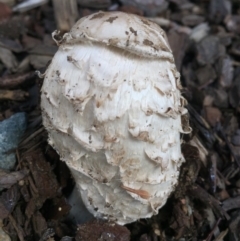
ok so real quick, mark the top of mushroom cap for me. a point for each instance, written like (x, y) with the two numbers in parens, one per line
(126, 31)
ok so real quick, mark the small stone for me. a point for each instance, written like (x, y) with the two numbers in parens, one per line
(11, 131)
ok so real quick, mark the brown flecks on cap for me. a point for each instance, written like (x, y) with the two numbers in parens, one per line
(143, 135)
(133, 31)
(147, 42)
(58, 73)
(69, 58)
(126, 32)
(98, 15)
(111, 19)
(185, 123)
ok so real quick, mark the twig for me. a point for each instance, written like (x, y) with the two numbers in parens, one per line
(199, 193)
(18, 229)
(209, 237)
(29, 138)
(13, 81)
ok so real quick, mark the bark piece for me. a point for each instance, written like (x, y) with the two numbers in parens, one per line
(231, 203)
(13, 28)
(39, 223)
(179, 43)
(8, 59)
(8, 179)
(43, 177)
(99, 230)
(199, 193)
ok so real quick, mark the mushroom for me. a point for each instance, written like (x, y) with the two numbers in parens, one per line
(113, 109)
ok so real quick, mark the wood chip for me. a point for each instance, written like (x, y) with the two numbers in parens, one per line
(101, 230)
(66, 14)
(231, 203)
(8, 59)
(18, 95)
(212, 115)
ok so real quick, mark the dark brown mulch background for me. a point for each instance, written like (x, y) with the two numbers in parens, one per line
(204, 36)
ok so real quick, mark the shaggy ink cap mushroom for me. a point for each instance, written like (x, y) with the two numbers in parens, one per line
(113, 109)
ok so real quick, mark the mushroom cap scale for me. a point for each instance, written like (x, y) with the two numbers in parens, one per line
(114, 114)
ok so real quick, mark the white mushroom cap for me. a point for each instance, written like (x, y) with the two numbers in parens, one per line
(112, 106)
(133, 33)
